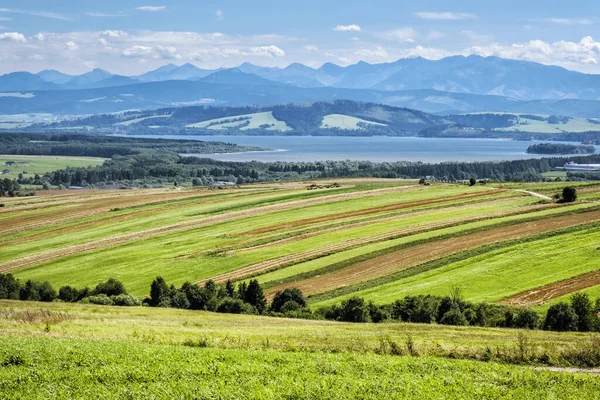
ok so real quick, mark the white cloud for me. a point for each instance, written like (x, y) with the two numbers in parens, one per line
(137, 50)
(219, 14)
(114, 33)
(267, 51)
(14, 36)
(399, 35)
(71, 46)
(372, 52)
(311, 48)
(574, 55)
(104, 14)
(347, 28)
(44, 14)
(568, 21)
(451, 16)
(40, 36)
(151, 8)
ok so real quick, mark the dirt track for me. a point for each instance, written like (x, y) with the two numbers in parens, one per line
(541, 295)
(410, 257)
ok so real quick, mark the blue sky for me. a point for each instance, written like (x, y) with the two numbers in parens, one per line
(131, 37)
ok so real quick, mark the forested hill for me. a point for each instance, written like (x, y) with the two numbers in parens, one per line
(342, 117)
(337, 118)
(106, 146)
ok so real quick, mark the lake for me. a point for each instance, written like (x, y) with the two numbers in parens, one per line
(377, 148)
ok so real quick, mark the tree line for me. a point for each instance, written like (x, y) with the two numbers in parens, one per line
(579, 314)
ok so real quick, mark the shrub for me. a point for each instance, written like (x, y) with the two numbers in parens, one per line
(36, 291)
(561, 317)
(289, 306)
(126, 300)
(354, 310)
(10, 287)
(582, 305)
(70, 294)
(180, 300)
(569, 194)
(377, 313)
(196, 296)
(254, 296)
(100, 299)
(527, 319)
(289, 294)
(158, 291)
(454, 317)
(235, 306)
(422, 309)
(111, 287)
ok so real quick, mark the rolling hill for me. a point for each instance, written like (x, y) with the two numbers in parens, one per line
(341, 117)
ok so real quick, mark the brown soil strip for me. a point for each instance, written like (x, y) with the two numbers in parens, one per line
(392, 207)
(297, 258)
(179, 227)
(416, 255)
(541, 295)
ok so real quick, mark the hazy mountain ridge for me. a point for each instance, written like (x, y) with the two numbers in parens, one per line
(522, 80)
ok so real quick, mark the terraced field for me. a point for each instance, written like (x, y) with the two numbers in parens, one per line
(380, 239)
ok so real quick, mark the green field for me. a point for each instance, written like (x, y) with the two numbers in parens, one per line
(345, 122)
(42, 164)
(363, 236)
(78, 351)
(245, 122)
(379, 239)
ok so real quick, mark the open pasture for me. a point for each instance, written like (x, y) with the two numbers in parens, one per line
(31, 165)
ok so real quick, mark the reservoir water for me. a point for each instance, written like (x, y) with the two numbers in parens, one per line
(377, 148)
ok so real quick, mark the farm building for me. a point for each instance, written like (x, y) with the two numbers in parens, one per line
(5, 171)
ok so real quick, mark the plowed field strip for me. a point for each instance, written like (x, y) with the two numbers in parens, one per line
(543, 294)
(409, 257)
(367, 211)
(179, 227)
(296, 258)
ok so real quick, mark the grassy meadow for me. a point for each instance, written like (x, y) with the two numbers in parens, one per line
(42, 164)
(78, 351)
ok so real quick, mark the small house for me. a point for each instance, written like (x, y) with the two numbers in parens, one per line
(5, 171)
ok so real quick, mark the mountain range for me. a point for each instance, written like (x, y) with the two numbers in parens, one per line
(521, 80)
(448, 86)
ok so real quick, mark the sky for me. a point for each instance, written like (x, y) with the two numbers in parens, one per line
(130, 37)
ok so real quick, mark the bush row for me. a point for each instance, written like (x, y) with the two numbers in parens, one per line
(580, 314)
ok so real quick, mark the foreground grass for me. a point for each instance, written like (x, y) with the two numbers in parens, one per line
(223, 331)
(41, 368)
